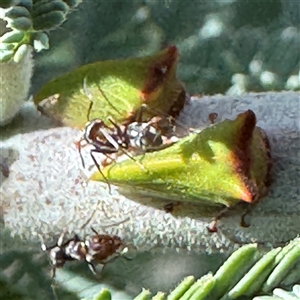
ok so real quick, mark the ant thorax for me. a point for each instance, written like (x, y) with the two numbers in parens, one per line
(143, 136)
(76, 249)
(96, 132)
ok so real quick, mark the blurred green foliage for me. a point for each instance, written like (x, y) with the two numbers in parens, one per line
(232, 46)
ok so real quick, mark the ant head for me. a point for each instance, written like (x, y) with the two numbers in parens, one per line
(56, 253)
(57, 256)
(93, 131)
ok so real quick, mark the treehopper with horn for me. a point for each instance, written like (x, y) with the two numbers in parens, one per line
(221, 166)
(118, 89)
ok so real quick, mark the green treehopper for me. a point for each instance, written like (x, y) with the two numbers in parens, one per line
(116, 88)
(222, 165)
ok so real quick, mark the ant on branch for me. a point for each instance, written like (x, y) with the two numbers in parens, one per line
(98, 248)
(135, 136)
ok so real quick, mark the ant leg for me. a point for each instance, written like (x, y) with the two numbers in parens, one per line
(53, 272)
(120, 133)
(43, 245)
(61, 238)
(53, 286)
(45, 249)
(212, 227)
(80, 154)
(123, 255)
(133, 159)
(99, 169)
(89, 110)
(109, 102)
(58, 243)
(118, 147)
(108, 157)
(92, 267)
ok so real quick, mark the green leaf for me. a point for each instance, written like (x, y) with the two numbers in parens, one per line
(159, 296)
(103, 295)
(200, 289)
(234, 269)
(257, 275)
(183, 286)
(144, 295)
(287, 263)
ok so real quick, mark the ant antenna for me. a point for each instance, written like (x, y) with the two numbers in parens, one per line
(94, 230)
(108, 101)
(91, 216)
(145, 107)
(89, 95)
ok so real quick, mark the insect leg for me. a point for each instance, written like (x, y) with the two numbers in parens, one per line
(143, 108)
(89, 110)
(53, 275)
(110, 140)
(92, 267)
(45, 249)
(119, 131)
(212, 227)
(133, 159)
(80, 154)
(58, 243)
(98, 167)
(109, 102)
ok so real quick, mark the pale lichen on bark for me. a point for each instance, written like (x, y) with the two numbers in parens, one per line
(45, 190)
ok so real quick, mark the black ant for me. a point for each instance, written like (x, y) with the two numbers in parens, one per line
(142, 136)
(136, 135)
(106, 140)
(98, 248)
